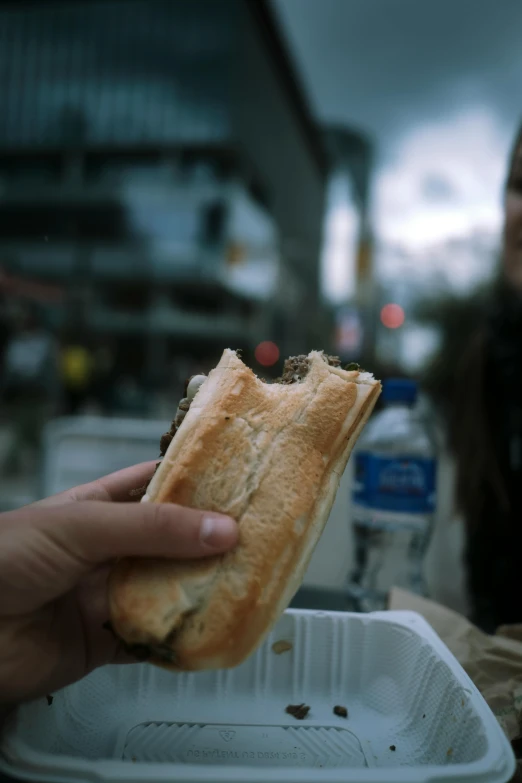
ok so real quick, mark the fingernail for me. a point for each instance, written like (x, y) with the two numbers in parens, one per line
(218, 532)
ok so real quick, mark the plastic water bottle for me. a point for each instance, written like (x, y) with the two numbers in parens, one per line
(393, 500)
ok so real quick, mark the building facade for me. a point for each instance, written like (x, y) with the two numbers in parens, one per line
(159, 164)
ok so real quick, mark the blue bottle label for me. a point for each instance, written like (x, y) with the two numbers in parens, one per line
(398, 484)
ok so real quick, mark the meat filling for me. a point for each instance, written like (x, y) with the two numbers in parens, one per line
(296, 368)
(143, 652)
(191, 387)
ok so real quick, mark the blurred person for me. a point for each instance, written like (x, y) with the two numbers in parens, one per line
(77, 367)
(55, 557)
(29, 388)
(477, 380)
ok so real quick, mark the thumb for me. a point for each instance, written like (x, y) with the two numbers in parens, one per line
(47, 550)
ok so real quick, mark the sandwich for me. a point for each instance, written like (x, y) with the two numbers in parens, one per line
(271, 456)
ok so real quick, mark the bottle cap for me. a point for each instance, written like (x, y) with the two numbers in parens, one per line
(399, 390)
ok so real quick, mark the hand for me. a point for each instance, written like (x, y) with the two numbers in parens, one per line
(55, 558)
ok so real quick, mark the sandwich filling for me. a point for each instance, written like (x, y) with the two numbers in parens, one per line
(296, 368)
(191, 387)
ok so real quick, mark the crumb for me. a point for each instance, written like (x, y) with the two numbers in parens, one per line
(134, 759)
(165, 441)
(392, 747)
(281, 647)
(424, 715)
(449, 752)
(341, 712)
(299, 711)
(50, 700)
(462, 702)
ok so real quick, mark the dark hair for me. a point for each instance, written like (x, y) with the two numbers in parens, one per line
(512, 158)
(459, 380)
(470, 432)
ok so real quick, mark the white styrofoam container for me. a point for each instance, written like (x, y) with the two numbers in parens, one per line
(80, 449)
(414, 715)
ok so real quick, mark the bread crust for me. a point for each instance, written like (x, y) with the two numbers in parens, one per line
(269, 455)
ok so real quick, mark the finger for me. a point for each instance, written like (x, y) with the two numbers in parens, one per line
(97, 532)
(119, 485)
(53, 547)
(115, 487)
(104, 646)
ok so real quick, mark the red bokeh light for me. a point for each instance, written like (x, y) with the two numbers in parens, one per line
(392, 316)
(267, 353)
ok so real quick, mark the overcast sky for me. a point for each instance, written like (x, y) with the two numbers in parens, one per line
(387, 65)
(438, 85)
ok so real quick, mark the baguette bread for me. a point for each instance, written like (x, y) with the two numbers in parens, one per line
(269, 455)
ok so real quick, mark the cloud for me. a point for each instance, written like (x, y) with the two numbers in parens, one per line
(437, 189)
(437, 208)
(445, 181)
(388, 65)
(441, 105)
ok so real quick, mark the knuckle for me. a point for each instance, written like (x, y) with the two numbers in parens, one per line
(157, 520)
(160, 520)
